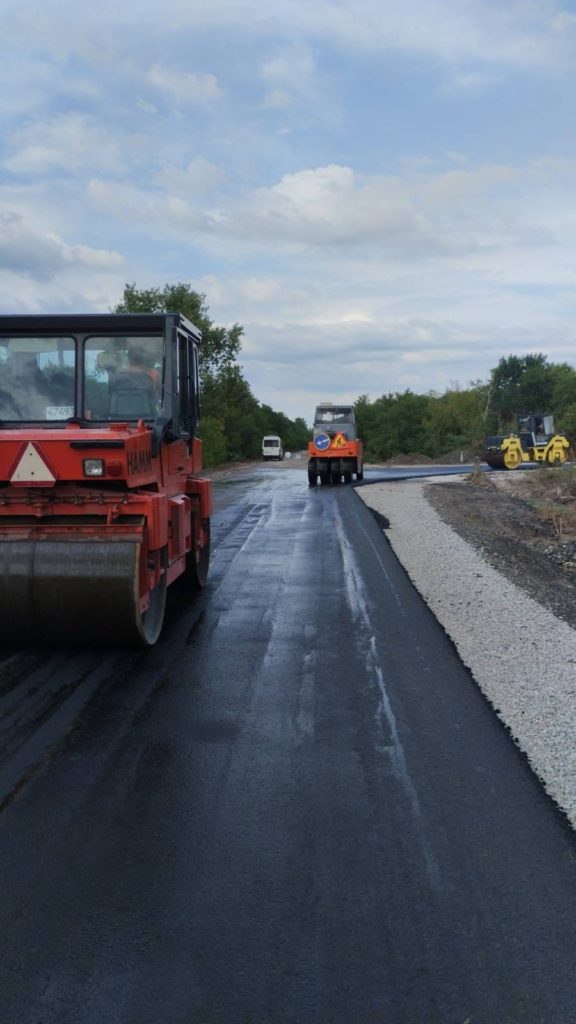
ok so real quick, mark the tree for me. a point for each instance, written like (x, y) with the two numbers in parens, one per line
(455, 418)
(394, 423)
(213, 441)
(564, 393)
(521, 384)
(220, 345)
(233, 421)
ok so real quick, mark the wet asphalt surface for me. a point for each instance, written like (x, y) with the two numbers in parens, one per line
(296, 809)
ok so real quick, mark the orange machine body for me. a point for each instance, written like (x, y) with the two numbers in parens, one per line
(333, 457)
(339, 448)
(153, 499)
(97, 514)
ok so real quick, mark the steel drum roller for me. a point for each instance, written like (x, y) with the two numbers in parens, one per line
(63, 591)
(495, 459)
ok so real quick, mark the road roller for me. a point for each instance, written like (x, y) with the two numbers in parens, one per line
(335, 453)
(535, 441)
(102, 501)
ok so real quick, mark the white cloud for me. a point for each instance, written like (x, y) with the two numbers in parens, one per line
(288, 76)
(539, 35)
(163, 214)
(332, 207)
(185, 86)
(198, 177)
(263, 290)
(495, 217)
(67, 142)
(42, 256)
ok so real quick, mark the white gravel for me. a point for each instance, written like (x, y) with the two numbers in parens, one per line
(527, 669)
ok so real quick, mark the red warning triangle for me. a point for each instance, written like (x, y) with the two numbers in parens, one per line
(32, 470)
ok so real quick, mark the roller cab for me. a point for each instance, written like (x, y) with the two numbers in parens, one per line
(102, 501)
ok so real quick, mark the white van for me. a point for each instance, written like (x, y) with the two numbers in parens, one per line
(272, 447)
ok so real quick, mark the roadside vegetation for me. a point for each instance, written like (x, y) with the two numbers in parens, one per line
(429, 425)
(434, 424)
(551, 492)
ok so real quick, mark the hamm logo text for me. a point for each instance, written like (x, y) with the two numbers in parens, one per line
(139, 462)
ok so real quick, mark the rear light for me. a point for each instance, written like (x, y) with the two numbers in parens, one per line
(114, 467)
(93, 467)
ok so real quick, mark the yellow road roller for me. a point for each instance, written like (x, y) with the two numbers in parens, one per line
(535, 441)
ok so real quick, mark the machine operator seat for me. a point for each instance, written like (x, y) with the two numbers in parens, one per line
(133, 395)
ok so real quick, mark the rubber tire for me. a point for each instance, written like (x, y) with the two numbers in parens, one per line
(153, 618)
(335, 476)
(312, 478)
(197, 562)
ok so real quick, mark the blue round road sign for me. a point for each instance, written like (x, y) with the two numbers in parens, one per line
(322, 442)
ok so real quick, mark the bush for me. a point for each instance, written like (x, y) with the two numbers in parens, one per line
(213, 441)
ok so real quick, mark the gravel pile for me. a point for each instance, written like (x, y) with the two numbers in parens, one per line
(527, 667)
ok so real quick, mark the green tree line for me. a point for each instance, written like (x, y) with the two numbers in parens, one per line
(433, 424)
(233, 421)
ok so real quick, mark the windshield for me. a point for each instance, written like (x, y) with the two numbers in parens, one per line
(37, 378)
(335, 419)
(334, 414)
(123, 377)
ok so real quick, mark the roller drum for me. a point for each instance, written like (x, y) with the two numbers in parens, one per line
(494, 459)
(68, 592)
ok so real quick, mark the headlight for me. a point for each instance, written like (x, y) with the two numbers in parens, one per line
(93, 467)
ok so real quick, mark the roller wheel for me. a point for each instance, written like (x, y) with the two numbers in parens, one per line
(556, 458)
(323, 471)
(335, 474)
(198, 560)
(494, 459)
(312, 478)
(69, 592)
(512, 458)
(360, 472)
(152, 620)
(348, 476)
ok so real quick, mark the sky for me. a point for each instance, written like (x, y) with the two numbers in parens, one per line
(382, 193)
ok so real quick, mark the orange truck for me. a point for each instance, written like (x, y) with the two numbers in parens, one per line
(335, 453)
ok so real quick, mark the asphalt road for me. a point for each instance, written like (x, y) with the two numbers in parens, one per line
(296, 809)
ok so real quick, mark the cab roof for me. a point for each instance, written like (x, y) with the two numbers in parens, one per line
(100, 323)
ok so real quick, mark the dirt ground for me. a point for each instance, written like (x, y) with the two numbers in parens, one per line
(524, 523)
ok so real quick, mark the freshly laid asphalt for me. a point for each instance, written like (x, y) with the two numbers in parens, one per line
(296, 809)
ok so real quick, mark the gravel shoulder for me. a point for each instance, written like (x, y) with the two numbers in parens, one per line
(507, 530)
(502, 586)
